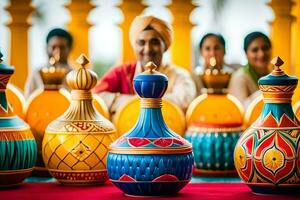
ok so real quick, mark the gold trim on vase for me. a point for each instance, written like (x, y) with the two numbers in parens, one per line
(136, 182)
(151, 102)
(288, 185)
(18, 171)
(80, 177)
(218, 130)
(223, 173)
(15, 129)
(79, 133)
(277, 88)
(274, 128)
(277, 100)
(81, 95)
(150, 151)
(15, 135)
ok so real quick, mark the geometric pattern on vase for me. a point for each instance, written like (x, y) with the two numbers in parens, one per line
(87, 151)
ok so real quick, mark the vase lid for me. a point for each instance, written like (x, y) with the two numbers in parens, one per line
(150, 134)
(150, 83)
(5, 108)
(277, 76)
(277, 87)
(5, 69)
(82, 78)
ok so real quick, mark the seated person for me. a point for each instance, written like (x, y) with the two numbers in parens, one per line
(212, 50)
(59, 45)
(150, 37)
(243, 83)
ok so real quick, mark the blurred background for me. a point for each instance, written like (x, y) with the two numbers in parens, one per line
(100, 29)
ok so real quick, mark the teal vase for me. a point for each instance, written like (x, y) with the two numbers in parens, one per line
(18, 150)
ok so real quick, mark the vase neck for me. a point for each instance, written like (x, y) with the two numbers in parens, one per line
(5, 107)
(151, 123)
(81, 107)
(277, 115)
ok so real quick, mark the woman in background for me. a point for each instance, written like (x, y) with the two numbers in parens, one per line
(212, 50)
(243, 84)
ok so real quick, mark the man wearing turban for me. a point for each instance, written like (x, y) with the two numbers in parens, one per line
(150, 38)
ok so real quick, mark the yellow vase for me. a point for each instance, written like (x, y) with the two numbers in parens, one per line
(75, 145)
(45, 105)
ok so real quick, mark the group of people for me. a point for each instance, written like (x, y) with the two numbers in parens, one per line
(150, 38)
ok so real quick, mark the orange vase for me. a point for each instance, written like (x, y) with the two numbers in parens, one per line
(43, 106)
(215, 121)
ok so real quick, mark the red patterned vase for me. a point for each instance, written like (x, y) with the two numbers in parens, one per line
(267, 156)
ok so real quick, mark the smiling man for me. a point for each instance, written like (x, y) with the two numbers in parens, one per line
(150, 38)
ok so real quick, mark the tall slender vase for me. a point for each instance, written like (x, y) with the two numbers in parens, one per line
(45, 105)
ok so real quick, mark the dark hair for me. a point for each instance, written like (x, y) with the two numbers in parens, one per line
(218, 36)
(254, 35)
(60, 33)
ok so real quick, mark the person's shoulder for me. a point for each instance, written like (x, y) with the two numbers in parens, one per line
(240, 73)
(179, 70)
(123, 67)
(35, 72)
(228, 69)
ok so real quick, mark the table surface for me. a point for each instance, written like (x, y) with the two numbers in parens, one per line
(36, 188)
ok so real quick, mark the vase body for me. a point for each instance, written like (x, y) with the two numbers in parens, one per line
(267, 156)
(150, 159)
(18, 150)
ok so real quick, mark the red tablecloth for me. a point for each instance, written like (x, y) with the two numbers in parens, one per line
(193, 191)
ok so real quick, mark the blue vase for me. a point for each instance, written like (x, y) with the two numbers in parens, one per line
(150, 160)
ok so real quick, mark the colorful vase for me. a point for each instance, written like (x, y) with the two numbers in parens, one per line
(215, 122)
(267, 156)
(18, 148)
(45, 105)
(150, 160)
(75, 145)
